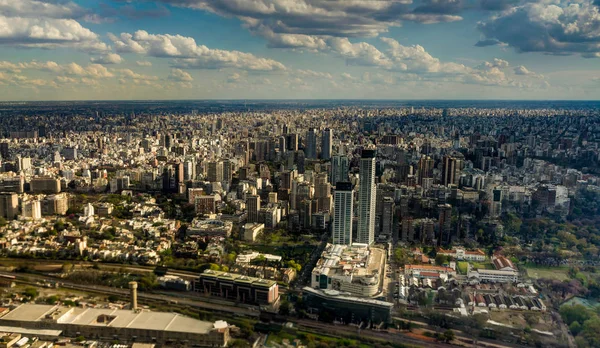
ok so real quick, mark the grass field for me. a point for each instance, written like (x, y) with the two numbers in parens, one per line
(558, 273)
(462, 267)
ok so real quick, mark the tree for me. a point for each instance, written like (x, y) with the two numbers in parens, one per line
(441, 259)
(32, 293)
(3, 222)
(575, 328)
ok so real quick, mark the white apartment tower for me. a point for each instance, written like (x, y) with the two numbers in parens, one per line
(342, 213)
(366, 198)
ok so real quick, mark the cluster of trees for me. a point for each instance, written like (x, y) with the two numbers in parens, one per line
(583, 323)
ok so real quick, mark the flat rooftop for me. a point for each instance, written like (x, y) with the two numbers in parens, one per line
(118, 318)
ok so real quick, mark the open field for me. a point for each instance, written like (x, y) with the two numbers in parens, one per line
(557, 273)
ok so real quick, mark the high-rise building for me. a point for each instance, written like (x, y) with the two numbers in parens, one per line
(9, 205)
(326, 144)
(339, 169)
(366, 198)
(4, 150)
(310, 149)
(445, 222)
(292, 142)
(343, 211)
(215, 171)
(426, 164)
(227, 170)
(387, 217)
(253, 208)
(451, 168)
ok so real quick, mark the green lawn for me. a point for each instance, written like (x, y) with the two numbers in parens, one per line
(483, 265)
(558, 273)
(462, 266)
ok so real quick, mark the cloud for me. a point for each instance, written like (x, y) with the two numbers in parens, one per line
(341, 18)
(37, 9)
(553, 27)
(180, 75)
(130, 74)
(314, 74)
(523, 71)
(188, 54)
(488, 42)
(143, 63)
(38, 24)
(111, 58)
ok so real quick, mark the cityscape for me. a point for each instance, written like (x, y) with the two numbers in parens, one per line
(299, 173)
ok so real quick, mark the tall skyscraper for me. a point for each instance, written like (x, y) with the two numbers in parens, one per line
(366, 198)
(311, 144)
(339, 169)
(253, 208)
(342, 213)
(326, 144)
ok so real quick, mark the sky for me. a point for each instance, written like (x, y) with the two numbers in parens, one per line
(299, 49)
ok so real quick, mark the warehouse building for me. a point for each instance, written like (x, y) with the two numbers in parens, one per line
(118, 324)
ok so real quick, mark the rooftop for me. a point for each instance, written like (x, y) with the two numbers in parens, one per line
(157, 321)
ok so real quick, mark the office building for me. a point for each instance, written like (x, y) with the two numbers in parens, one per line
(253, 208)
(310, 148)
(366, 198)
(356, 269)
(444, 222)
(451, 168)
(326, 144)
(4, 151)
(346, 307)
(237, 287)
(44, 185)
(9, 205)
(215, 171)
(387, 217)
(57, 204)
(339, 169)
(426, 165)
(343, 208)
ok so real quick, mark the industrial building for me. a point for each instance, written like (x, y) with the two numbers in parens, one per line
(119, 324)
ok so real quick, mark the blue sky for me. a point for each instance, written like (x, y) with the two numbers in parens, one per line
(245, 49)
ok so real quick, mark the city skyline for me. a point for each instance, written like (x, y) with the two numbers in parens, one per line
(304, 49)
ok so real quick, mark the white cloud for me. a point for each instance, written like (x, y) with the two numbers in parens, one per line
(111, 58)
(188, 54)
(143, 63)
(180, 75)
(20, 26)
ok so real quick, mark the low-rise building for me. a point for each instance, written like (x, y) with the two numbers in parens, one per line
(237, 287)
(210, 228)
(251, 231)
(461, 254)
(121, 325)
